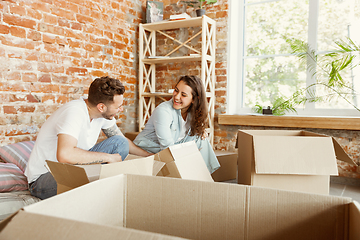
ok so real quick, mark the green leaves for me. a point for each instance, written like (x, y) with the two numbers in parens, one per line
(200, 3)
(328, 69)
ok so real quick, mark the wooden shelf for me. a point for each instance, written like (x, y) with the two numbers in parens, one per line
(156, 94)
(350, 123)
(171, 59)
(205, 58)
(167, 25)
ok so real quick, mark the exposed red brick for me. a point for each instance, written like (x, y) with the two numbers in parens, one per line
(32, 56)
(44, 88)
(13, 76)
(19, 10)
(4, 29)
(30, 98)
(98, 73)
(34, 13)
(26, 109)
(60, 79)
(19, 21)
(45, 78)
(29, 77)
(84, 19)
(63, 13)
(76, 26)
(41, 6)
(80, 71)
(48, 98)
(34, 35)
(64, 23)
(51, 19)
(62, 99)
(9, 110)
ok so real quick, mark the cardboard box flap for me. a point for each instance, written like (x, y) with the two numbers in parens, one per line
(99, 202)
(92, 171)
(303, 155)
(269, 133)
(26, 226)
(183, 161)
(341, 154)
(132, 156)
(142, 166)
(183, 150)
(339, 151)
(189, 162)
(67, 176)
(157, 167)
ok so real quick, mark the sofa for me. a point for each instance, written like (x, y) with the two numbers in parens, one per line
(14, 192)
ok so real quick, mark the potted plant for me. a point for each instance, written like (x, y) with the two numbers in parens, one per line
(200, 4)
(329, 67)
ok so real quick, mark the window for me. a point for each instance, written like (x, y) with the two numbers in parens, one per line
(261, 66)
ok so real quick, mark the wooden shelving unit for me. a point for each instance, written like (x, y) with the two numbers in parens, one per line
(148, 60)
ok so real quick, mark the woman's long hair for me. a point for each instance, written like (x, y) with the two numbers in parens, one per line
(198, 109)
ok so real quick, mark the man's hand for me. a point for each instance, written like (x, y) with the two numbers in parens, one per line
(114, 158)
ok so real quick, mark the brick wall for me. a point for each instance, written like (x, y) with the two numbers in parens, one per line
(51, 50)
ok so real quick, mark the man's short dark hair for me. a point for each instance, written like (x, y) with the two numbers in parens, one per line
(103, 90)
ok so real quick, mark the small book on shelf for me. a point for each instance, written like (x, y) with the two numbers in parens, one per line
(180, 16)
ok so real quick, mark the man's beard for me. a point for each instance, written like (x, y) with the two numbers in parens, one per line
(108, 116)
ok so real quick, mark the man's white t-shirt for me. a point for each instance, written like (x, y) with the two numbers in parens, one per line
(73, 119)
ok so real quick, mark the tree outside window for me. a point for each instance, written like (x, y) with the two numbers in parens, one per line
(262, 67)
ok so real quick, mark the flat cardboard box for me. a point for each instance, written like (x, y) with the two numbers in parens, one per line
(190, 209)
(69, 176)
(178, 161)
(228, 166)
(288, 160)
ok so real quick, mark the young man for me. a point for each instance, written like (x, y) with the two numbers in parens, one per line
(70, 135)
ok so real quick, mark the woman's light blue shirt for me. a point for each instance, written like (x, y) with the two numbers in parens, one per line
(163, 130)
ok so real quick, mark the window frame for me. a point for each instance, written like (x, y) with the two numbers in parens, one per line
(236, 57)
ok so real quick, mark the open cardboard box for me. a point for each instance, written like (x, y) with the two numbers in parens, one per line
(179, 161)
(69, 176)
(289, 160)
(228, 166)
(188, 209)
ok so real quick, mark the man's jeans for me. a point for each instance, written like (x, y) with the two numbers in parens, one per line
(45, 186)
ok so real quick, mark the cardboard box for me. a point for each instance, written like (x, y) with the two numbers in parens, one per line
(131, 135)
(40, 227)
(69, 176)
(191, 209)
(289, 160)
(178, 161)
(183, 161)
(228, 166)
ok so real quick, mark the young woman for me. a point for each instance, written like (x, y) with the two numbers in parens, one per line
(182, 119)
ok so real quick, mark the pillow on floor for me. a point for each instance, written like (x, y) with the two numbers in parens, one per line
(12, 178)
(17, 153)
